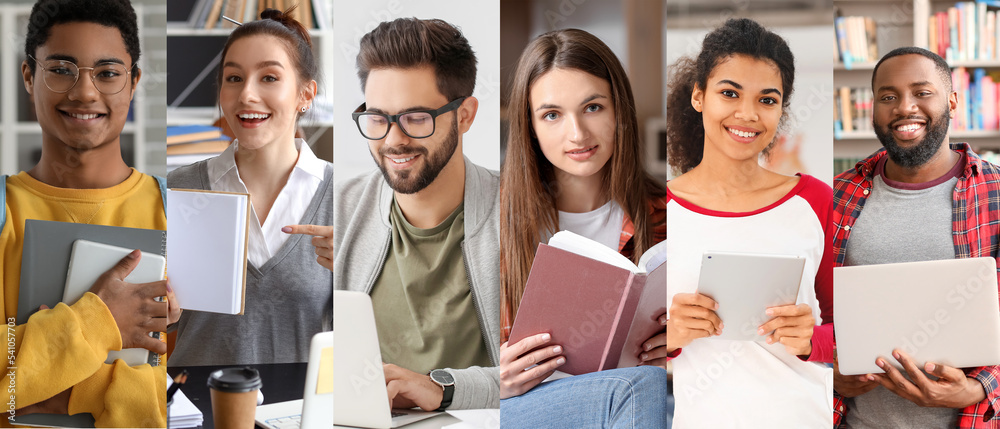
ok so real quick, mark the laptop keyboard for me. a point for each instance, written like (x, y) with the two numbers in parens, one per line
(397, 414)
(290, 422)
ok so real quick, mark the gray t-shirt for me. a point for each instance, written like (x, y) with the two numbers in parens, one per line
(901, 222)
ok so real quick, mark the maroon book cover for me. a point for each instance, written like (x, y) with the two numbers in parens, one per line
(586, 305)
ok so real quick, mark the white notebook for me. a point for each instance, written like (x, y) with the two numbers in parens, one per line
(207, 249)
(89, 261)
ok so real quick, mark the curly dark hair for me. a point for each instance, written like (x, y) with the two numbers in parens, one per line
(109, 13)
(685, 129)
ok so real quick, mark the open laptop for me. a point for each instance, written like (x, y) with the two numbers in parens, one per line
(944, 312)
(361, 398)
(313, 410)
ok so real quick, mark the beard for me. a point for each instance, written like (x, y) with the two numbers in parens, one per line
(937, 130)
(410, 181)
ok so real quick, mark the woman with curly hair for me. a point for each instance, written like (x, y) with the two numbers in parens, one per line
(725, 108)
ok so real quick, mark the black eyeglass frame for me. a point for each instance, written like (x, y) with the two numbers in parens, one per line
(128, 76)
(360, 111)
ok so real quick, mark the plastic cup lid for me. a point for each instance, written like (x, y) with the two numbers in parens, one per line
(235, 380)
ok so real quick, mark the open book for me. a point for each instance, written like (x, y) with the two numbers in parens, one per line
(596, 304)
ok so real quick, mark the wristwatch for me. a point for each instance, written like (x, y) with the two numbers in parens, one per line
(447, 382)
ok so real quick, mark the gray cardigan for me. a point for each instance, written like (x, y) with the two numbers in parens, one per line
(288, 299)
(362, 235)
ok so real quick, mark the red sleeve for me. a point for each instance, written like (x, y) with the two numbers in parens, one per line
(820, 198)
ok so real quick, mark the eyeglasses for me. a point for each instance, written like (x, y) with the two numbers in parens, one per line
(61, 76)
(417, 124)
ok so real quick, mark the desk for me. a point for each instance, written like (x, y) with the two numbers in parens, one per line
(281, 382)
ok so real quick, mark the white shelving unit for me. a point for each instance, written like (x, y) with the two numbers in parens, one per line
(900, 23)
(20, 136)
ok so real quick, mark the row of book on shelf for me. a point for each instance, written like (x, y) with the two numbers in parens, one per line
(192, 143)
(857, 39)
(208, 14)
(978, 93)
(966, 31)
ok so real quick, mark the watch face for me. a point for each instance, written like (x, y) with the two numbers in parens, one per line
(442, 377)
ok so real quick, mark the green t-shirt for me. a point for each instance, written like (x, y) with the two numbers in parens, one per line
(422, 299)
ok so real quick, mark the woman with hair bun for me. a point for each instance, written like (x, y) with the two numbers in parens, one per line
(267, 81)
(725, 108)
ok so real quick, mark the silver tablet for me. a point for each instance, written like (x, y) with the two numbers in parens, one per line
(745, 285)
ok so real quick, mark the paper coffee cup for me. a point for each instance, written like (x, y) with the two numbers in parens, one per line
(234, 397)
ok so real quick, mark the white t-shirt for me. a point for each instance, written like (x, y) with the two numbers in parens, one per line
(746, 384)
(603, 225)
(288, 208)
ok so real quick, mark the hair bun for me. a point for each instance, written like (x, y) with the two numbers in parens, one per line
(287, 20)
(273, 14)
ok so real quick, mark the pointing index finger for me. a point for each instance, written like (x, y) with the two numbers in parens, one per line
(302, 229)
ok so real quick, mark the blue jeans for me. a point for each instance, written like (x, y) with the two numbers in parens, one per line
(618, 398)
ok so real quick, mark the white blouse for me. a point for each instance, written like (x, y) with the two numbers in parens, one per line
(288, 208)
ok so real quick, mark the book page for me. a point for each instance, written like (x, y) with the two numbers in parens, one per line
(586, 247)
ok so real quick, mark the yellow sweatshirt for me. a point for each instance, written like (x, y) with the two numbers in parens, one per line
(66, 346)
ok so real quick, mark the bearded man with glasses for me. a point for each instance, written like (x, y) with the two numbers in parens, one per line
(80, 70)
(422, 237)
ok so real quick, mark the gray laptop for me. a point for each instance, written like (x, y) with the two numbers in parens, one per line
(944, 312)
(360, 396)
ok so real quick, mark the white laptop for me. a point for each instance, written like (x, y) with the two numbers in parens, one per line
(745, 285)
(313, 410)
(944, 312)
(361, 398)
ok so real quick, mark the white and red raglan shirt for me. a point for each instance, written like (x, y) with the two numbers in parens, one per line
(751, 384)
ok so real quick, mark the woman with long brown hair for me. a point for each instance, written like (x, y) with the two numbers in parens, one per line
(574, 162)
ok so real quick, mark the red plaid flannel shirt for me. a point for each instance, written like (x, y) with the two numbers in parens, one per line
(976, 230)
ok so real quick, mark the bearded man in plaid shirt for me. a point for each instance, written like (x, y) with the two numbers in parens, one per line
(919, 198)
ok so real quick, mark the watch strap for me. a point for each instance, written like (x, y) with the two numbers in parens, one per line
(449, 394)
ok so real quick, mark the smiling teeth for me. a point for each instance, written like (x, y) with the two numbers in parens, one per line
(87, 116)
(254, 116)
(908, 128)
(582, 150)
(400, 161)
(744, 134)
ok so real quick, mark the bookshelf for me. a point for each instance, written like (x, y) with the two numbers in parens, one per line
(902, 23)
(20, 135)
(192, 91)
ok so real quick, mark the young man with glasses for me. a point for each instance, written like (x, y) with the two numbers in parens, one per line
(80, 71)
(421, 237)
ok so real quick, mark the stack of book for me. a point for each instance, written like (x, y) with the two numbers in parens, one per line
(856, 39)
(967, 31)
(192, 143)
(208, 14)
(977, 99)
